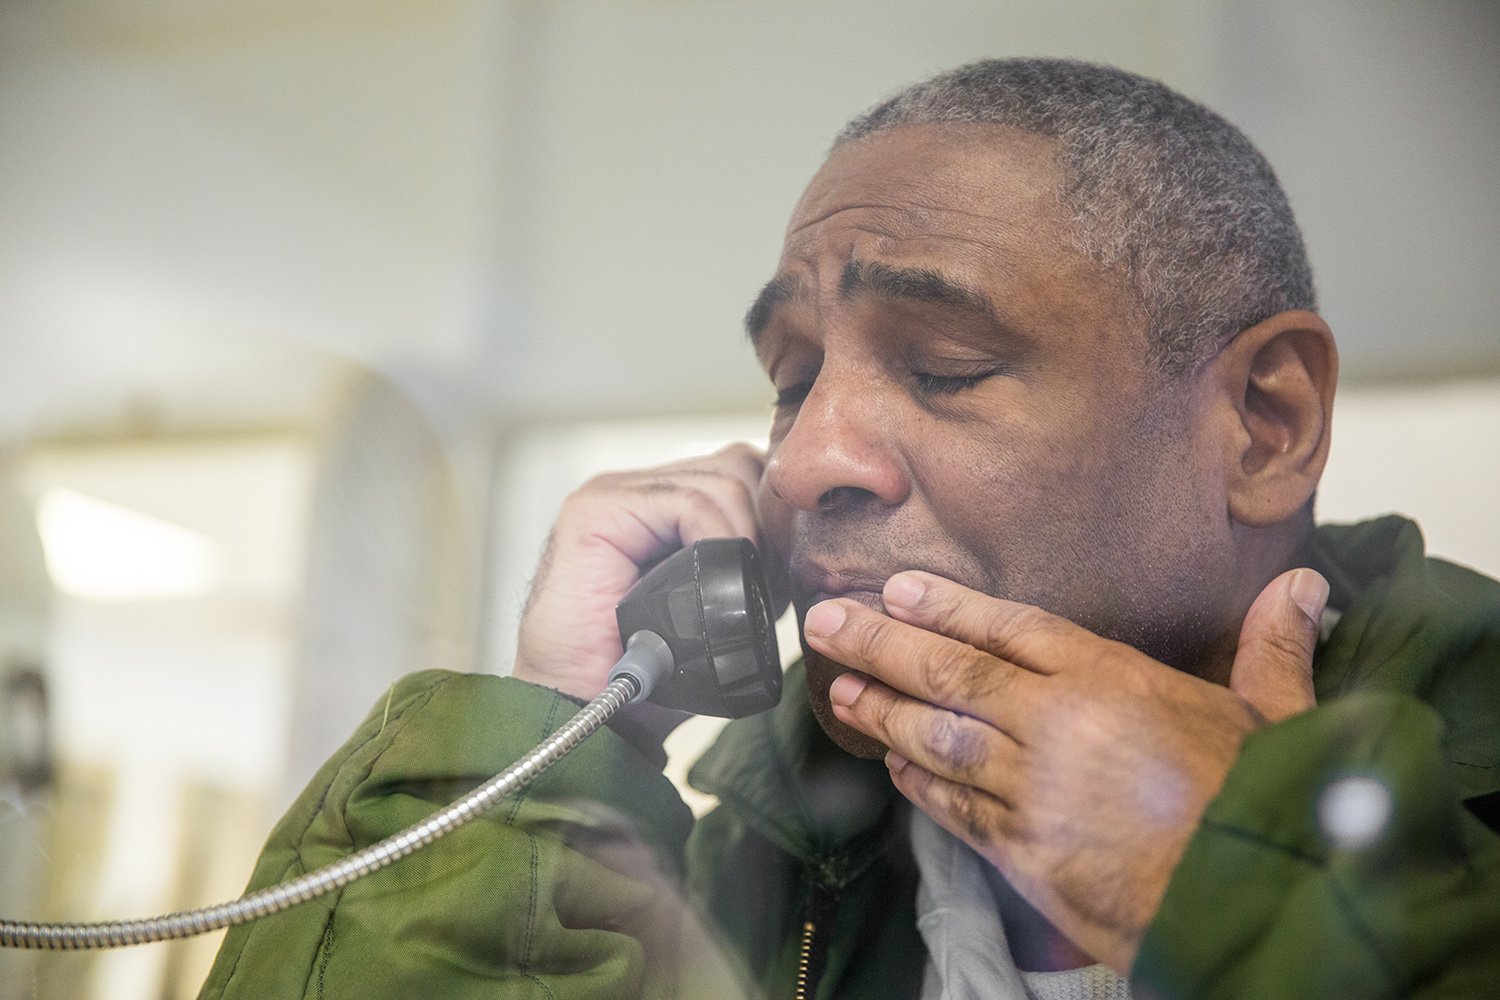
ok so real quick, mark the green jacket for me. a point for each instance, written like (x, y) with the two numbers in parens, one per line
(574, 887)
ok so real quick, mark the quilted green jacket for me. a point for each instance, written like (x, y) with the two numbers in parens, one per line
(576, 887)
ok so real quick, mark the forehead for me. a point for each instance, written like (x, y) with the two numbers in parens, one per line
(974, 184)
(978, 207)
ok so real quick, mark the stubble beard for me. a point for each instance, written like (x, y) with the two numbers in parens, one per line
(821, 672)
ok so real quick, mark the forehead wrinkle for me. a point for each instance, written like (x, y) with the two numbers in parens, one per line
(916, 217)
(797, 225)
(986, 241)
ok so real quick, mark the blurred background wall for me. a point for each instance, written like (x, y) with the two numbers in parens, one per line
(312, 312)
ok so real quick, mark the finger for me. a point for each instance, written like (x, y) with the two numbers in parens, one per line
(739, 462)
(1024, 635)
(746, 464)
(927, 666)
(743, 460)
(648, 515)
(1273, 665)
(951, 744)
(662, 516)
(733, 475)
(972, 814)
(735, 501)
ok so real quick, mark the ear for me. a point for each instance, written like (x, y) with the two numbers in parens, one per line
(1273, 386)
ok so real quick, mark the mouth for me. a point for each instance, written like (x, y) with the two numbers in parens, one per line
(869, 598)
(812, 583)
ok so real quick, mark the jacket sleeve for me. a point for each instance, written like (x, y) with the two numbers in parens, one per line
(1338, 861)
(567, 889)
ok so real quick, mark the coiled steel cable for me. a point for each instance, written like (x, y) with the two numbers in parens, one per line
(274, 899)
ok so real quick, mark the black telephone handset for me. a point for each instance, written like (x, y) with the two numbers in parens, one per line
(699, 634)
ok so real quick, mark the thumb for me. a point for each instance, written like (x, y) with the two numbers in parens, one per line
(1273, 666)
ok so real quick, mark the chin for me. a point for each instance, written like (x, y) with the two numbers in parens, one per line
(821, 672)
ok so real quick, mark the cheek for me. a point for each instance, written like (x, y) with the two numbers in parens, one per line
(996, 483)
(1043, 504)
(775, 518)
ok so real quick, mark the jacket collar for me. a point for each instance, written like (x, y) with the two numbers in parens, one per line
(787, 781)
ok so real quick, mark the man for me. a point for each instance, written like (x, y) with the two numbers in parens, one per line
(1052, 406)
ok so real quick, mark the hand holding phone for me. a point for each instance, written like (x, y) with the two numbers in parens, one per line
(608, 534)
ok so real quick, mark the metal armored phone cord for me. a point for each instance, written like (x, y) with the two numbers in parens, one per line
(701, 637)
(623, 689)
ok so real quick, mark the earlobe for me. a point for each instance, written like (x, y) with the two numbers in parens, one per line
(1277, 379)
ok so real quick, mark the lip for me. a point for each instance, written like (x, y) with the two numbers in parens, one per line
(869, 598)
(819, 583)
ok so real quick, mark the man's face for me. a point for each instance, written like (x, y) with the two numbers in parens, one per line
(959, 391)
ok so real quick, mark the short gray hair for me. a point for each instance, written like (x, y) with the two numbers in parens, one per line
(1159, 186)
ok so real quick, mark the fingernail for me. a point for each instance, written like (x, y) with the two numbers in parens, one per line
(904, 590)
(895, 762)
(824, 619)
(845, 688)
(1310, 593)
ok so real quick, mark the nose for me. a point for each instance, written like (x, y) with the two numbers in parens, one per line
(841, 449)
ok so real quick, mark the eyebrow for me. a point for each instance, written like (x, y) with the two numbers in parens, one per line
(912, 284)
(915, 284)
(780, 289)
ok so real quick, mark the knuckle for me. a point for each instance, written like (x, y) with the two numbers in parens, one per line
(942, 676)
(584, 495)
(972, 812)
(985, 681)
(962, 675)
(611, 482)
(869, 639)
(596, 483)
(1005, 629)
(1284, 645)
(695, 506)
(1125, 669)
(956, 744)
(692, 497)
(744, 453)
(879, 707)
(740, 492)
(581, 509)
(876, 709)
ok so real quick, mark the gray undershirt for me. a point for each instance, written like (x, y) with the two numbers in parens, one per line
(967, 954)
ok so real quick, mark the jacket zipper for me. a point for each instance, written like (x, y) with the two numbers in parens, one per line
(822, 903)
(804, 959)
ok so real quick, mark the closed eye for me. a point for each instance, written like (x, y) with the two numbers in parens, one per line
(792, 395)
(929, 384)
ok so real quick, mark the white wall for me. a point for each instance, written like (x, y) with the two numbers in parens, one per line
(561, 209)
(1431, 451)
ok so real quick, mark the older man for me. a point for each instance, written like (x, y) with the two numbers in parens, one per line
(1052, 406)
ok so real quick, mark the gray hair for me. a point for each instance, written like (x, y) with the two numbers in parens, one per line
(1158, 185)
